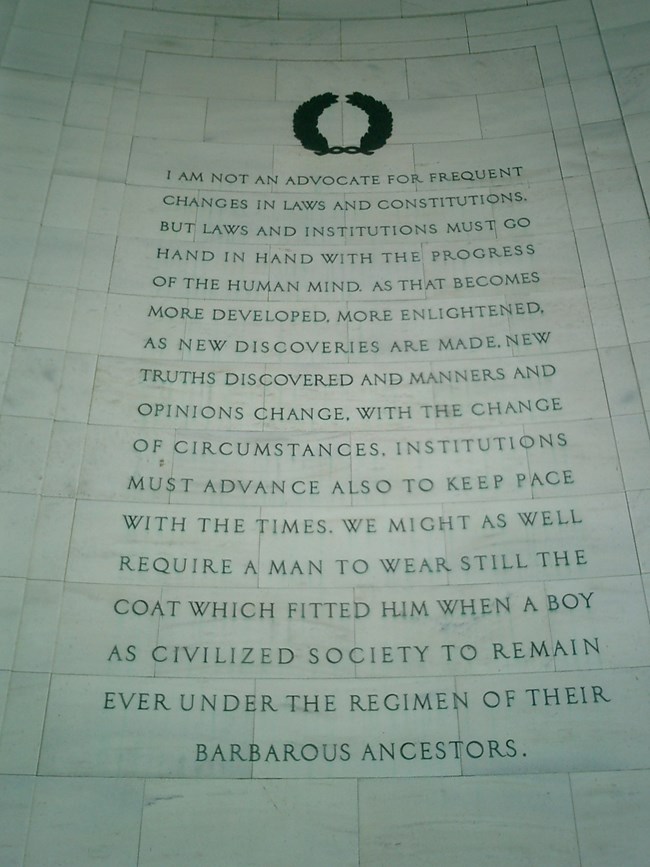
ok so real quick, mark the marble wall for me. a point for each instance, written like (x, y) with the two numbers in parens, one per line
(324, 478)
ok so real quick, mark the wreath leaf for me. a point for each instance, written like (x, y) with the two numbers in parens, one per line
(305, 122)
(380, 121)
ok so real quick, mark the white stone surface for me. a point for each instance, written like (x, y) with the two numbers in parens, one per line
(324, 478)
(188, 819)
(493, 820)
(603, 834)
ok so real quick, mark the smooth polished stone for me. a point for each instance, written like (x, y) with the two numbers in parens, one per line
(28, 95)
(631, 87)
(51, 538)
(38, 627)
(445, 7)
(582, 202)
(621, 14)
(130, 68)
(33, 383)
(640, 512)
(83, 822)
(24, 446)
(594, 260)
(18, 512)
(607, 145)
(307, 53)
(298, 81)
(6, 17)
(188, 819)
(89, 106)
(640, 353)
(97, 261)
(124, 106)
(85, 326)
(12, 295)
(17, 253)
(636, 308)
(83, 648)
(5, 678)
(572, 18)
(22, 728)
(149, 161)
(36, 15)
(607, 318)
(339, 9)
(570, 151)
(229, 121)
(137, 43)
(58, 258)
(515, 113)
(381, 51)
(633, 450)
(410, 819)
(619, 198)
(106, 206)
(625, 46)
(28, 142)
(16, 800)
(608, 821)
(69, 202)
(449, 27)
(11, 592)
(45, 53)
(489, 73)
(285, 33)
(561, 106)
(74, 397)
(108, 24)
(98, 63)
(238, 8)
(202, 77)
(619, 376)
(432, 119)
(157, 114)
(551, 62)
(637, 126)
(115, 158)
(80, 151)
(66, 446)
(457, 657)
(627, 242)
(6, 350)
(544, 39)
(596, 100)
(584, 57)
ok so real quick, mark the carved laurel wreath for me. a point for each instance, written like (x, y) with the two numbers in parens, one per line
(305, 124)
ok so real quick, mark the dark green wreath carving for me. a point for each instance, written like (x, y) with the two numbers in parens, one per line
(305, 124)
(380, 121)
